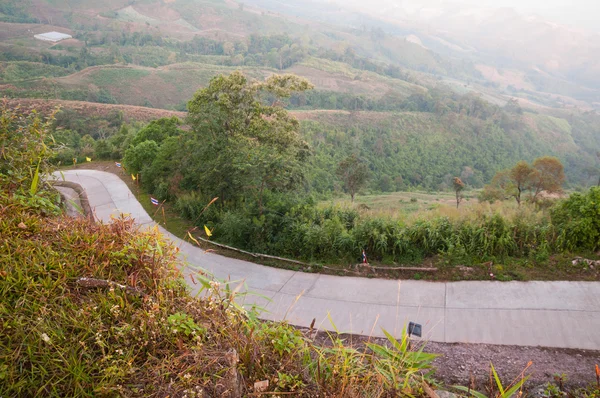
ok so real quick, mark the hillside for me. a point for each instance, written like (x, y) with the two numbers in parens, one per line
(547, 67)
(406, 149)
(451, 110)
(91, 109)
(172, 85)
(423, 149)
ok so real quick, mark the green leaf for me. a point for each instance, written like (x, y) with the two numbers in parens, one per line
(510, 392)
(497, 378)
(475, 394)
(36, 180)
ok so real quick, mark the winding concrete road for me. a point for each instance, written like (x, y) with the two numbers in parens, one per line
(550, 314)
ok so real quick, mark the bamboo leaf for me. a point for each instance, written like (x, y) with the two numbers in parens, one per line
(497, 378)
(510, 392)
(36, 180)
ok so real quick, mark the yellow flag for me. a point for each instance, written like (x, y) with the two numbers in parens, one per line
(74, 160)
(208, 231)
(88, 159)
(133, 177)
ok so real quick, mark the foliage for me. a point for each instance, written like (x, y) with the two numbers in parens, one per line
(515, 389)
(157, 131)
(414, 365)
(102, 309)
(458, 186)
(578, 221)
(545, 175)
(242, 147)
(24, 158)
(548, 176)
(138, 157)
(354, 173)
(23, 70)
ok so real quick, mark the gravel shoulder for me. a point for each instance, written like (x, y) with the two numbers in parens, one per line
(465, 364)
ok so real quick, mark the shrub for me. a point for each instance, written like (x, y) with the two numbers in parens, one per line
(578, 221)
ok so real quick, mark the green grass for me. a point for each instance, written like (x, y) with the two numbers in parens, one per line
(406, 202)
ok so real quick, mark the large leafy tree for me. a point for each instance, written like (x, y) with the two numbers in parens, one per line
(240, 146)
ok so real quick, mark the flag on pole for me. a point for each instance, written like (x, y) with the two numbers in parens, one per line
(364, 256)
(74, 160)
(154, 201)
(118, 164)
(133, 177)
(88, 159)
(208, 231)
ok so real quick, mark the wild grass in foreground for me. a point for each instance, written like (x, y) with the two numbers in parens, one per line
(92, 309)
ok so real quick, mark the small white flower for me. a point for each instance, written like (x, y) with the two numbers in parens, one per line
(187, 376)
(120, 352)
(45, 338)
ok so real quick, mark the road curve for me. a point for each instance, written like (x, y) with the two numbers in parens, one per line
(549, 314)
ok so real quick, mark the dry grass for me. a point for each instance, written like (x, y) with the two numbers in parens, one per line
(62, 337)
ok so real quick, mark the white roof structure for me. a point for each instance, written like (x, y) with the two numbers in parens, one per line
(53, 36)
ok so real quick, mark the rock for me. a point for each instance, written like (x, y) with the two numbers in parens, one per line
(538, 392)
(446, 394)
(261, 386)
(230, 385)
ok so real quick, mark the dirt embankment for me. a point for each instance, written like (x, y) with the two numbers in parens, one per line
(130, 112)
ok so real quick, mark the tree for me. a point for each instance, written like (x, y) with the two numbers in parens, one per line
(458, 187)
(239, 147)
(158, 130)
(354, 173)
(139, 156)
(548, 176)
(520, 177)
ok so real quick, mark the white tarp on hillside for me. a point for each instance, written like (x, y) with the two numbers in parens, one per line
(53, 36)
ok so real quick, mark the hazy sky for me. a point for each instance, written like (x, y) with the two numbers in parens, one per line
(578, 13)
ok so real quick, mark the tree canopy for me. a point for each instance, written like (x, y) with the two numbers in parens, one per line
(240, 145)
(546, 174)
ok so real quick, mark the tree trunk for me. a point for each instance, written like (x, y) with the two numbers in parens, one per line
(352, 197)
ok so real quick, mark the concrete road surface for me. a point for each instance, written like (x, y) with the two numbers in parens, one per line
(551, 314)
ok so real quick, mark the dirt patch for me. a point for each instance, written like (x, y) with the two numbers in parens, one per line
(159, 12)
(70, 43)
(506, 78)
